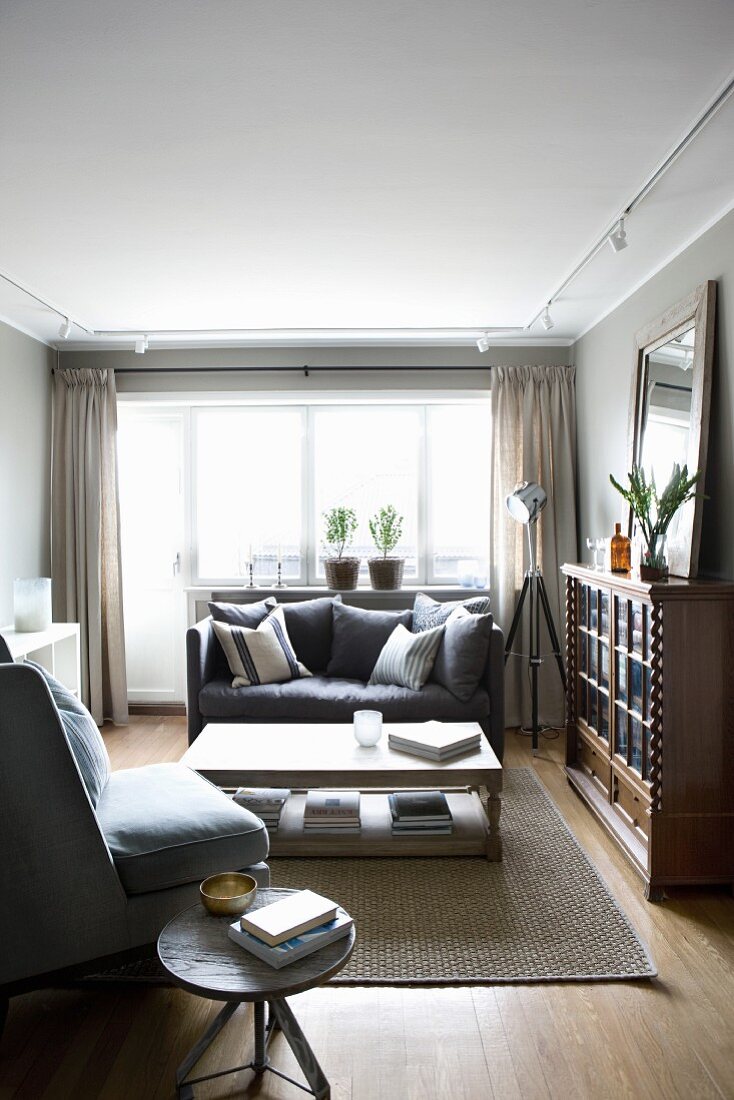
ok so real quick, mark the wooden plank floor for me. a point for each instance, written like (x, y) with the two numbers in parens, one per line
(673, 1037)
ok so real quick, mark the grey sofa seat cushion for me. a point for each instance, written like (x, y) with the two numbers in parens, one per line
(326, 699)
(165, 825)
(359, 638)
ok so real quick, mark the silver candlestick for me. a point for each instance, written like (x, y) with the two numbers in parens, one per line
(280, 583)
(252, 583)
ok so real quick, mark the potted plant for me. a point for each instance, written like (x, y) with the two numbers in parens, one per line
(386, 527)
(340, 524)
(654, 513)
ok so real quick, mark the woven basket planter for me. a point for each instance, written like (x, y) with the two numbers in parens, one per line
(386, 573)
(342, 573)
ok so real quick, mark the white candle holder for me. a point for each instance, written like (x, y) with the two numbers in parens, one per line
(367, 726)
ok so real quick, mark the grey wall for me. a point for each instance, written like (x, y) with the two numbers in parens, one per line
(294, 380)
(604, 362)
(25, 461)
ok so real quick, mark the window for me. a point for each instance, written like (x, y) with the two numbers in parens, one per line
(258, 478)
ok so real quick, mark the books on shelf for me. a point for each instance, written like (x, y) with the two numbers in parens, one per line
(265, 802)
(332, 812)
(298, 946)
(436, 740)
(420, 813)
(291, 916)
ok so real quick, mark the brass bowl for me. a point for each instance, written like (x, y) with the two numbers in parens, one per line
(229, 894)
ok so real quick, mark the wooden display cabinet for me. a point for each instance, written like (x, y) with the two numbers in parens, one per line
(649, 723)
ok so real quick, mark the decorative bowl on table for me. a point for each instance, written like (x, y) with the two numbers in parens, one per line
(229, 894)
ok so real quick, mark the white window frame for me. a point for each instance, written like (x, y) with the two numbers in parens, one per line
(191, 404)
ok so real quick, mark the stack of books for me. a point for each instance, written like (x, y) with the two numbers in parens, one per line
(437, 740)
(290, 929)
(264, 802)
(332, 812)
(420, 813)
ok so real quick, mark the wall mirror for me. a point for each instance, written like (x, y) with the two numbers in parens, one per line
(669, 409)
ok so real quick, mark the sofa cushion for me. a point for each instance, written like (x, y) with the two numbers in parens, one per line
(309, 625)
(462, 655)
(82, 733)
(358, 639)
(238, 614)
(407, 659)
(260, 656)
(428, 612)
(325, 699)
(165, 826)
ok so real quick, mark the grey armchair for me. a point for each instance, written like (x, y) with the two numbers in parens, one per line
(77, 883)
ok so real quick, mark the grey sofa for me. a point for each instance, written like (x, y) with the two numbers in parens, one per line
(80, 883)
(330, 697)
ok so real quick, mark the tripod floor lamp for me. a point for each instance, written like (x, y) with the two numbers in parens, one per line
(525, 504)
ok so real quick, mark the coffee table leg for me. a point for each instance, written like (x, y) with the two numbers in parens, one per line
(494, 840)
(261, 1060)
(301, 1049)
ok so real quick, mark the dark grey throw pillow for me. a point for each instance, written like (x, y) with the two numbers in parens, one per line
(243, 614)
(428, 612)
(83, 736)
(358, 639)
(462, 655)
(309, 626)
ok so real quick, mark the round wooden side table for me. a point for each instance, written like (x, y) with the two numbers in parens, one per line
(195, 950)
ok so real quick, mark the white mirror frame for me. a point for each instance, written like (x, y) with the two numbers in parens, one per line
(697, 310)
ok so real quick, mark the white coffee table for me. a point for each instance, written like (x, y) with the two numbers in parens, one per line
(312, 755)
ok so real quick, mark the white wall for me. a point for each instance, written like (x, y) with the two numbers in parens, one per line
(25, 461)
(604, 364)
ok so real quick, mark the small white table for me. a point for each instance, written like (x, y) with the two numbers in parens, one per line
(56, 649)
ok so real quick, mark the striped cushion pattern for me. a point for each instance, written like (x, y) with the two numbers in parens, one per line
(406, 659)
(83, 736)
(263, 655)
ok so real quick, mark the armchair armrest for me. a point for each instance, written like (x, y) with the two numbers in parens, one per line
(200, 651)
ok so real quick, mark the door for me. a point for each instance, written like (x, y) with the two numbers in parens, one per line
(150, 458)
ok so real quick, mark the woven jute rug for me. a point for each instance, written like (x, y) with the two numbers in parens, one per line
(543, 914)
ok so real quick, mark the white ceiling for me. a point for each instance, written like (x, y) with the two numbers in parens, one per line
(259, 164)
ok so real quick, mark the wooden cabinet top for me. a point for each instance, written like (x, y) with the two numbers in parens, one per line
(675, 588)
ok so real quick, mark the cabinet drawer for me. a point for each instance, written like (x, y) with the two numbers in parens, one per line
(596, 766)
(631, 807)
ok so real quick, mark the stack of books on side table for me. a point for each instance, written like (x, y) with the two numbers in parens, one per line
(290, 929)
(437, 741)
(264, 802)
(332, 812)
(420, 813)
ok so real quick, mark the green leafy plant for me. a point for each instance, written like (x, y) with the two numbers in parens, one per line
(654, 513)
(386, 527)
(340, 525)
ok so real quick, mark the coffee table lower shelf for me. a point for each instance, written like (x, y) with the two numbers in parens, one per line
(375, 839)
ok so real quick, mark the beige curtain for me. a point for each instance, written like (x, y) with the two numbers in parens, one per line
(533, 439)
(85, 534)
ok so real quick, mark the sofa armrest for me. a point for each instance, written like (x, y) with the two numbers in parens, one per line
(200, 651)
(494, 682)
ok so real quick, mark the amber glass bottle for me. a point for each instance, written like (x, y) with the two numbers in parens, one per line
(621, 551)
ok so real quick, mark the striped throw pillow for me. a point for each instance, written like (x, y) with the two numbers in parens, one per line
(263, 655)
(406, 659)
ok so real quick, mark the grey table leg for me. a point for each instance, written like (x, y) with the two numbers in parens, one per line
(186, 1091)
(261, 1060)
(494, 840)
(301, 1049)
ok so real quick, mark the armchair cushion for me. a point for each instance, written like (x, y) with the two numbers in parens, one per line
(82, 734)
(165, 826)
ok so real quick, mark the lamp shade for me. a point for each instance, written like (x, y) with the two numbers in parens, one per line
(526, 501)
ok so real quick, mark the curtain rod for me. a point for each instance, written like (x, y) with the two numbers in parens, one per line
(307, 370)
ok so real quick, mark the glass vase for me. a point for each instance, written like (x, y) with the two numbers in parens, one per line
(654, 560)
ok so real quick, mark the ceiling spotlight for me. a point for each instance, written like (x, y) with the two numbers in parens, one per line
(618, 237)
(65, 329)
(546, 320)
(141, 345)
(483, 343)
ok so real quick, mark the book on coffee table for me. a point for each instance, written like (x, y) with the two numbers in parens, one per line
(332, 812)
(436, 741)
(291, 916)
(420, 813)
(297, 947)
